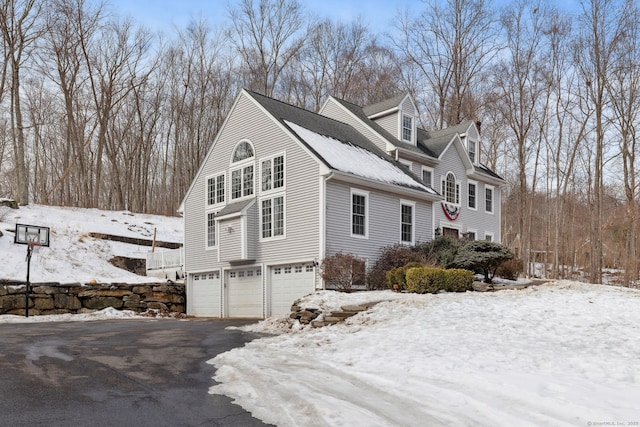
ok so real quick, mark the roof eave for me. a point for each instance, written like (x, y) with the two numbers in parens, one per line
(393, 188)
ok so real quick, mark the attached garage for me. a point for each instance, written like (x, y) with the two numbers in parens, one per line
(245, 293)
(288, 283)
(206, 294)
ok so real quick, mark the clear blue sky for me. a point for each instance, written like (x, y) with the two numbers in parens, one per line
(164, 14)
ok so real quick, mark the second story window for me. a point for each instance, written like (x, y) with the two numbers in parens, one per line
(473, 152)
(472, 195)
(451, 189)
(242, 173)
(407, 128)
(272, 171)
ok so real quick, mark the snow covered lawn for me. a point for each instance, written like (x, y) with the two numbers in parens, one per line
(559, 354)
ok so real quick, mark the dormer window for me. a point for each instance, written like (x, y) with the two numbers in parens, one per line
(407, 128)
(472, 151)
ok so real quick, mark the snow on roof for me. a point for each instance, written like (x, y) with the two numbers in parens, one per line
(346, 157)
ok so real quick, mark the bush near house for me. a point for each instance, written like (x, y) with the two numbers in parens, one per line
(343, 272)
(424, 280)
(441, 251)
(392, 257)
(483, 257)
(510, 269)
(397, 277)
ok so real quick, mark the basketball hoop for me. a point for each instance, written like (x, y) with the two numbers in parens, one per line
(34, 237)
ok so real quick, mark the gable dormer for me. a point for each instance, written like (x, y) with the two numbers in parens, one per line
(471, 140)
(397, 115)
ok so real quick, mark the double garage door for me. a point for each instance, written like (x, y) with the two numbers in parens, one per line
(245, 293)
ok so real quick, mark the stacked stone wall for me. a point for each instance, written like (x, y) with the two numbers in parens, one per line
(56, 298)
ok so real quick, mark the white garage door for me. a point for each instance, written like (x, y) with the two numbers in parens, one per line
(206, 298)
(288, 283)
(244, 292)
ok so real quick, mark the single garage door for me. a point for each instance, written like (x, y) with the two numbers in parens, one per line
(206, 296)
(288, 283)
(244, 292)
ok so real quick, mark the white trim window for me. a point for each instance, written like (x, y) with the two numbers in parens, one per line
(450, 189)
(427, 176)
(407, 128)
(272, 218)
(471, 235)
(472, 195)
(473, 148)
(242, 175)
(272, 173)
(407, 224)
(488, 198)
(359, 213)
(215, 189)
(211, 230)
(488, 237)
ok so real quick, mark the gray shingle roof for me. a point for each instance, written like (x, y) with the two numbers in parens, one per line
(325, 126)
(385, 105)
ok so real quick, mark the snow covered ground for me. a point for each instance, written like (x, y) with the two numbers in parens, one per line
(72, 255)
(561, 354)
(564, 353)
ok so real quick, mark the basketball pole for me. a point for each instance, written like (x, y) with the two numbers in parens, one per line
(26, 291)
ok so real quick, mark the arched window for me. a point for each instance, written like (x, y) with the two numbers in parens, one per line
(242, 174)
(451, 189)
(243, 151)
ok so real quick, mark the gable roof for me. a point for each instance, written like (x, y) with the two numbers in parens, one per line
(339, 146)
(358, 111)
(387, 104)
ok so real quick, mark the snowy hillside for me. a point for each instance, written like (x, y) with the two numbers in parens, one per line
(73, 256)
(561, 354)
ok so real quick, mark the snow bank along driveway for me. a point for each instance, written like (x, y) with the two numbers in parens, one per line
(559, 354)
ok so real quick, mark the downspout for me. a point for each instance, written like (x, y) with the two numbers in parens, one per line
(323, 227)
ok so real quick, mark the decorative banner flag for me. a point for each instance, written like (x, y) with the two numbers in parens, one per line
(451, 211)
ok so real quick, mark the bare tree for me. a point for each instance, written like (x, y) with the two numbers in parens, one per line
(450, 43)
(267, 35)
(19, 25)
(601, 31)
(623, 86)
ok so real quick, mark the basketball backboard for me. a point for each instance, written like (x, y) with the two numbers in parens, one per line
(31, 234)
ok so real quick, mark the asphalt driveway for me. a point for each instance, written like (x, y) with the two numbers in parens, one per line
(116, 373)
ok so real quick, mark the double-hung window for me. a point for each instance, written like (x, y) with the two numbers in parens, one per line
(473, 151)
(272, 217)
(359, 213)
(427, 176)
(406, 222)
(488, 191)
(472, 195)
(407, 128)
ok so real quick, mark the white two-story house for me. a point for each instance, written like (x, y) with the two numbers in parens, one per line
(281, 188)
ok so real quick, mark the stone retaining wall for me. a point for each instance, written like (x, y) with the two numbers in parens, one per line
(56, 298)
